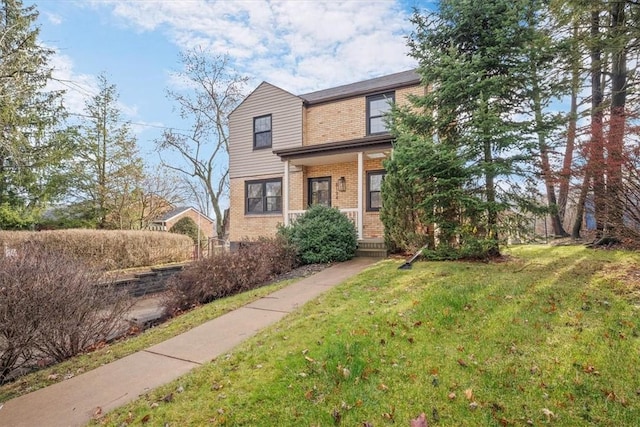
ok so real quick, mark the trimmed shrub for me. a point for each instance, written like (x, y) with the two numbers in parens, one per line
(229, 273)
(107, 249)
(52, 307)
(322, 235)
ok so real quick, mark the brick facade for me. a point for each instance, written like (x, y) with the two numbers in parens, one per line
(243, 226)
(206, 224)
(332, 120)
(344, 120)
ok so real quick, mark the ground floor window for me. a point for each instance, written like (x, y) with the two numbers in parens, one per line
(263, 196)
(374, 188)
(320, 191)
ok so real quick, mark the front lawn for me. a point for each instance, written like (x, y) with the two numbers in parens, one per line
(549, 335)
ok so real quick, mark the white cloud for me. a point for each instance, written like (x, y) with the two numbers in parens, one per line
(300, 46)
(79, 88)
(55, 19)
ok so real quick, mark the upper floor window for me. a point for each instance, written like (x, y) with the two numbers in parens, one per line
(262, 131)
(263, 196)
(378, 106)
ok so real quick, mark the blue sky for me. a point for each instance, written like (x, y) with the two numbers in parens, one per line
(300, 46)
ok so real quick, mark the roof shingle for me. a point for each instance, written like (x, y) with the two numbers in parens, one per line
(378, 84)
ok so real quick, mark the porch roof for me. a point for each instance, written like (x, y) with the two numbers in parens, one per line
(369, 143)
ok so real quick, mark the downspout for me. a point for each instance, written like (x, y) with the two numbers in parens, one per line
(360, 191)
(285, 193)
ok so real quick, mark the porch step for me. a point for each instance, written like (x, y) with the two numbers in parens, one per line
(373, 248)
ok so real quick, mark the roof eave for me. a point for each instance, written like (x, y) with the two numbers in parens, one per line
(359, 93)
(354, 145)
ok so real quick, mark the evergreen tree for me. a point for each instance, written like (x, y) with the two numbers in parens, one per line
(109, 168)
(470, 55)
(33, 145)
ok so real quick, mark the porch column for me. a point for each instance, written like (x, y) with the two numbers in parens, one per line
(360, 191)
(285, 193)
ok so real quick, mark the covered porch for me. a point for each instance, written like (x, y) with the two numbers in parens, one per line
(339, 175)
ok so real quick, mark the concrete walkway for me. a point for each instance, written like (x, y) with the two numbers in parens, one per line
(75, 401)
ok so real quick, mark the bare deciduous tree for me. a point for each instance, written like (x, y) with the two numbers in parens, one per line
(213, 91)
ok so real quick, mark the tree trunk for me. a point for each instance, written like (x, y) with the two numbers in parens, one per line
(565, 173)
(490, 189)
(618, 119)
(596, 162)
(582, 199)
(547, 174)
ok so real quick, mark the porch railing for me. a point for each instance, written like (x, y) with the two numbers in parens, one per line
(351, 213)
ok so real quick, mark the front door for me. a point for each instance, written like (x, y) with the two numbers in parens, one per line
(320, 191)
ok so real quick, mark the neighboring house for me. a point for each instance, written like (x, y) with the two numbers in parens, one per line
(168, 219)
(287, 152)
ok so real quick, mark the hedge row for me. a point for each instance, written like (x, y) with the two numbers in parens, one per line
(106, 249)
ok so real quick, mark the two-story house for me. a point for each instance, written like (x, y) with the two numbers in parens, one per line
(287, 152)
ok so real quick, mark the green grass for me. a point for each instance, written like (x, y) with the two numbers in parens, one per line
(125, 347)
(550, 336)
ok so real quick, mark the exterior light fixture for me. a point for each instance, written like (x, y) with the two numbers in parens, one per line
(342, 184)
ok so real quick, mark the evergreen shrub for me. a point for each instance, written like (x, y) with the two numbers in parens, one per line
(187, 227)
(321, 235)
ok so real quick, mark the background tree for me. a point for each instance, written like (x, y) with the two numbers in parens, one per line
(109, 169)
(215, 91)
(606, 34)
(34, 145)
(544, 83)
(160, 191)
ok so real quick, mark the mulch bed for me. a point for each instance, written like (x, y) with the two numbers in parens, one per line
(300, 272)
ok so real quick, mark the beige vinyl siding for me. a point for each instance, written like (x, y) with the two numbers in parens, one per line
(286, 131)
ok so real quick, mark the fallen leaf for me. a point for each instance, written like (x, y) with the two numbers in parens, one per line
(389, 415)
(462, 363)
(589, 369)
(452, 395)
(336, 416)
(97, 412)
(308, 359)
(435, 415)
(473, 406)
(145, 419)
(547, 413)
(420, 421)
(468, 393)
(168, 398)
(52, 377)
(382, 387)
